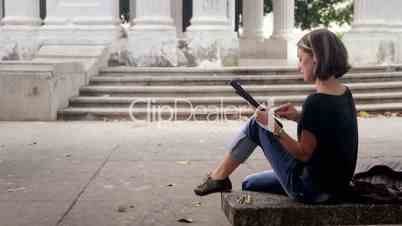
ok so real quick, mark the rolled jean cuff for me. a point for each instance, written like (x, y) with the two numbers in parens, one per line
(241, 148)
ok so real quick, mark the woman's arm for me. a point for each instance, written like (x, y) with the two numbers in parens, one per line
(288, 111)
(302, 150)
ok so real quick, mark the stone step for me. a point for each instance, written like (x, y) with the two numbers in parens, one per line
(121, 102)
(158, 114)
(118, 71)
(129, 80)
(255, 90)
(110, 94)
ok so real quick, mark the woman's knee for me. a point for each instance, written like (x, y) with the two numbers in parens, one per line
(247, 184)
(266, 181)
(257, 182)
(251, 130)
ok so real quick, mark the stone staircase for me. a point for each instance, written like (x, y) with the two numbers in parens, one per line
(204, 94)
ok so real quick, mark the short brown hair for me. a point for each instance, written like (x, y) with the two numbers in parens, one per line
(329, 52)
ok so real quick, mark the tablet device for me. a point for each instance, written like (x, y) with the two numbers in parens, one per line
(243, 93)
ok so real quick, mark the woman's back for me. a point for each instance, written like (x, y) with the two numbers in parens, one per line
(332, 119)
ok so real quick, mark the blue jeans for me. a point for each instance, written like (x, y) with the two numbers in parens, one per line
(288, 175)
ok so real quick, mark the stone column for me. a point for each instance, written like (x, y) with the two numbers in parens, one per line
(20, 31)
(358, 12)
(252, 39)
(177, 13)
(153, 14)
(1, 10)
(366, 15)
(81, 21)
(231, 7)
(211, 36)
(209, 15)
(280, 48)
(132, 10)
(253, 19)
(376, 34)
(284, 22)
(22, 12)
(82, 12)
(152, 39)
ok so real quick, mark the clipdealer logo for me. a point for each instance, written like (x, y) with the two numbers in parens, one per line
(158, 110)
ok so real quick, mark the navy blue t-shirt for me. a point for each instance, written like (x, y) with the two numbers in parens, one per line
(333, 121)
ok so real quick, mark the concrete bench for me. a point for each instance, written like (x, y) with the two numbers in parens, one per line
(258, 209)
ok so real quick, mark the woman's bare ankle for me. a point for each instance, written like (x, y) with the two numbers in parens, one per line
(217, 176)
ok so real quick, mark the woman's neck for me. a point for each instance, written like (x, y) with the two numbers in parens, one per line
(331, 86)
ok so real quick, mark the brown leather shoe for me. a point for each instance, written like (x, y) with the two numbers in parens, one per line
(211, 186)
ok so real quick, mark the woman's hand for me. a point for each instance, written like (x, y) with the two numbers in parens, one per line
(261, 115)
(288, 111)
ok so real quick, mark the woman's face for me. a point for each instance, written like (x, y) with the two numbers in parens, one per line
(306, 65)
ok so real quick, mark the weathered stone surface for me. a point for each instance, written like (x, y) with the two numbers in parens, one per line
(19, 43)
(92, 57)
(269, 209)
(375, 37)
(214, 46)
(36, 91)
(8, 51)
(119, 48)
(148, 49)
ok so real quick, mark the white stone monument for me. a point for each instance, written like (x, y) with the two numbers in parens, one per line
(280, 48)
(20, 28)
(211, 35)
(81, 22)
(152, 38)
(376, 34)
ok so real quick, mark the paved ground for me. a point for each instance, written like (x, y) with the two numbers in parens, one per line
(83, 173)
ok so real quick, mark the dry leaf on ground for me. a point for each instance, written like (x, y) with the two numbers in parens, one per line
(363, 114)
(197, 204)
(183, 162)
(16, 189)
(185, 220)
(122, 209)
(245, 199)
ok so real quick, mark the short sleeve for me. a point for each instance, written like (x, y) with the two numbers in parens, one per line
(309, 119)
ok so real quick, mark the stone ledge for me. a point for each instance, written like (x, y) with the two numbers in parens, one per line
(92, 57)
(274, 210)
(36, 91)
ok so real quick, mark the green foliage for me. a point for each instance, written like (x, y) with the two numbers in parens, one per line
(267, 6)
(312, 13)
(340, 35)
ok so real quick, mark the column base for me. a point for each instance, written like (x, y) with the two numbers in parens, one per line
(21, 21)
(220, 47)
(18, 42)
(373, 47)
(80, 34)
(272, 51)
(152, 48)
